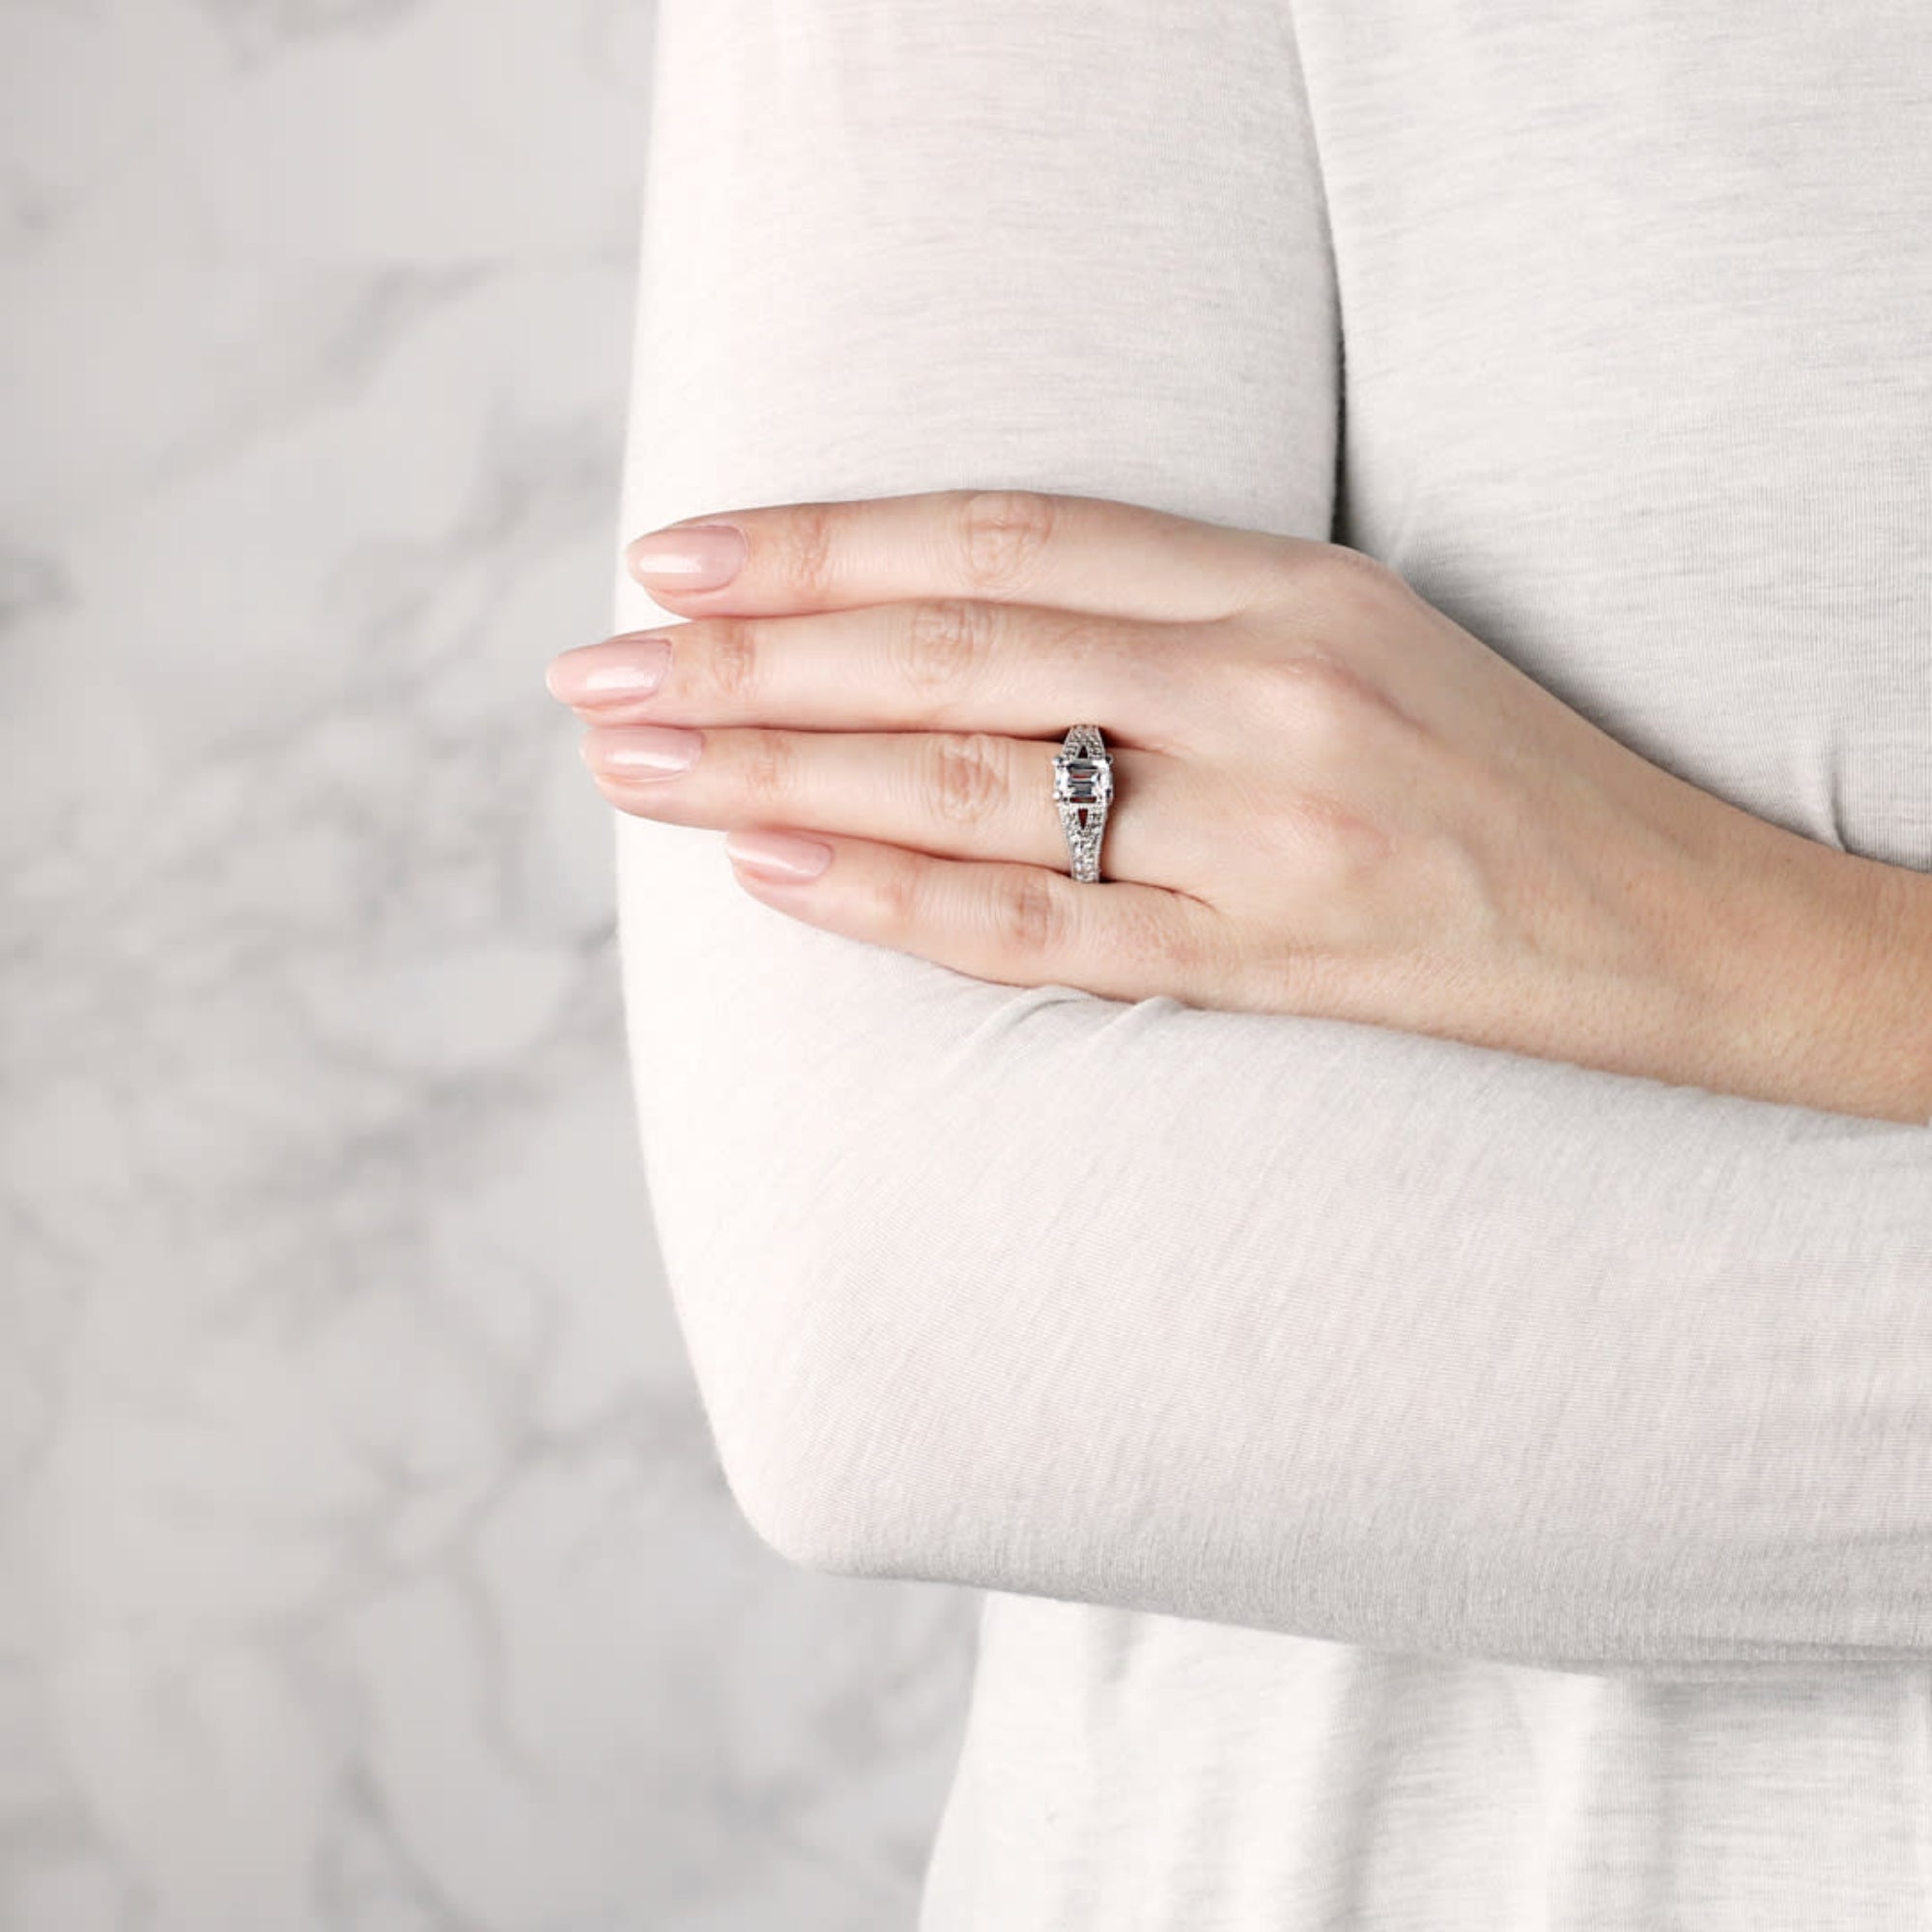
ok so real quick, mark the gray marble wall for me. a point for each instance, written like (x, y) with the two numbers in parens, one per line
(365, 1561)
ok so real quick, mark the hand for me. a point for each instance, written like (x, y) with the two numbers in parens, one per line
(1330, 798)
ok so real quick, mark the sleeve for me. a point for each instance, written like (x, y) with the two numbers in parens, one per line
(1281, 1321)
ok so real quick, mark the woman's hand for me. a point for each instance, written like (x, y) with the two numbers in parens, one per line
(1330, 799)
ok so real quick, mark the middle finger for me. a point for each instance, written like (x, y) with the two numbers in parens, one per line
(949, 662)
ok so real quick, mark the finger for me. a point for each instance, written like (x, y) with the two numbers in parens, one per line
(1073, 552)
(947, 663)
(1019, 925)
(960, 794)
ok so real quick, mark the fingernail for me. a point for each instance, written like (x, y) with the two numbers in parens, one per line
(640, 751)
(623, 668)
(778, 854)
(698, 557)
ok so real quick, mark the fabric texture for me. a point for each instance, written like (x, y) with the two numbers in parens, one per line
(1414, 1485)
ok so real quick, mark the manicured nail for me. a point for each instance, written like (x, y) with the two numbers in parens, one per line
(698, 557)
(640, 751)
(778, 854)
(622, 667)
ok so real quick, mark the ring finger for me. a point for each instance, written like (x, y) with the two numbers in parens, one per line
(957, 794)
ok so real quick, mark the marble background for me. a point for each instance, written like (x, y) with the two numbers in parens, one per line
(365, 1562)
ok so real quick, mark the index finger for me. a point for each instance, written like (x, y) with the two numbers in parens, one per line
(1072, 553)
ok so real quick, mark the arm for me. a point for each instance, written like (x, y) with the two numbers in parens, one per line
(1273, 1321)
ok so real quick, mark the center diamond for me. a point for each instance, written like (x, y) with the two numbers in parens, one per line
(1078, 780)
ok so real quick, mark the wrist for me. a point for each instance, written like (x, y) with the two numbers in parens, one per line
(1819, 979)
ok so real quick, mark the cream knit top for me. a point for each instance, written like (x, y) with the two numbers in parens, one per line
(1415, 1485)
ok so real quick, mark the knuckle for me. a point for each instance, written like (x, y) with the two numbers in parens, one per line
(943, 645)
(767, 765)
(1258, 575)
(1337, 852)
(1078, 638)
(1173, 942)
(1312, 699)
(1326, 585)
(1030, 912)
(1360, 594)
(809, 545)
(1350, 569)
(968, 776)
(898, 899)
(1001, 535)
(1334, 574)
(730, 658)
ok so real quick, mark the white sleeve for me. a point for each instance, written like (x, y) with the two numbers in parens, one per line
(1273, 1321)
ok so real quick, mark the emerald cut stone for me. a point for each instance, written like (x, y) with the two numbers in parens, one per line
(1078, 780)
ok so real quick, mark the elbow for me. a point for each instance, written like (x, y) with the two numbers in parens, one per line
(796, 1428)
(788, 1511)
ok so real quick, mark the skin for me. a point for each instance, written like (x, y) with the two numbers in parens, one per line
(1330, 799)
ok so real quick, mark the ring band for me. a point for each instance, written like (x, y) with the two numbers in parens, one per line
(1083, 787)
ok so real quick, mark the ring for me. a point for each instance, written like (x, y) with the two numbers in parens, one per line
(1083, 787)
